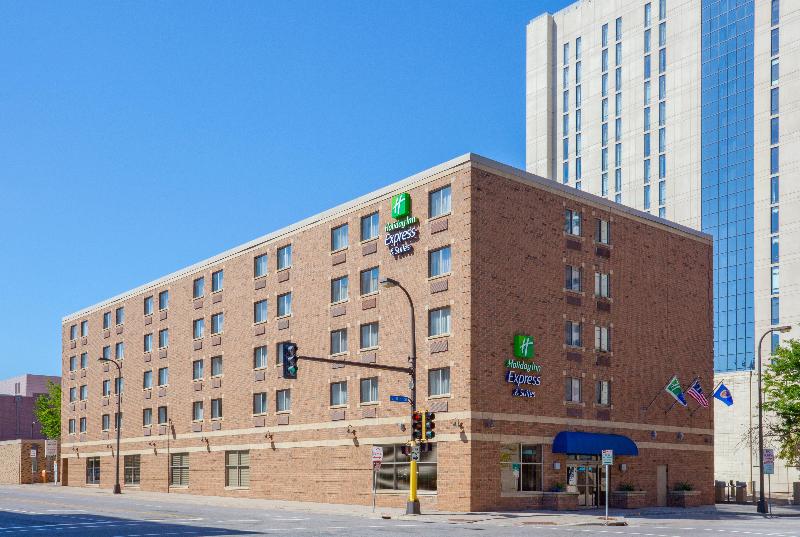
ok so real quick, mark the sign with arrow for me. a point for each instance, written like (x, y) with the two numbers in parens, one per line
(398, 399)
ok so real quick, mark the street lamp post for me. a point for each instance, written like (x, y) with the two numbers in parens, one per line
(762, 502)
(118, 419)
(412, 506)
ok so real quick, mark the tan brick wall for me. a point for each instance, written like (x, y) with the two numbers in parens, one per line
(17, 466)
(317, 458)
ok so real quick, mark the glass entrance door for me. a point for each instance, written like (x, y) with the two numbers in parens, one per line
(584, 479)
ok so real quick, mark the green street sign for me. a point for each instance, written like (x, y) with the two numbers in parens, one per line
(401, 205)
(523, 346)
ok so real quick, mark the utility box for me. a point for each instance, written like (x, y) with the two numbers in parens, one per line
(741, 492)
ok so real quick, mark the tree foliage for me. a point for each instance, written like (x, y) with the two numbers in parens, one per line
(47, 409)
(782, 397)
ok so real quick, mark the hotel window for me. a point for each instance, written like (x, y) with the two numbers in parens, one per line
(572, 389)
(147, 417)
(775, 12)
(260, 403)
(73, 363)
(604, 59)
(394, 471)
(604, 159)
(105, 422)
(260, 265)
(198, 326)
(339, 237)
(604, 110)
(773, 223)
(439, 322)
(662, 114)
(216, 366)
(572, 278)
(339, 341)
(775, 342)
(84, 360)
(618, 104)
(73, 332)
(369, 281)
(84, 392)
(217, 281)
(132, 469)
(283, 401)
(339, 393)
(521, 467)
(602, 338)
(647, 100)
(163, 338)
(604, 35)
(339, 289)
(163, 376)
(71, 426)
(73, 394)
(774, 42)
(572, 222)
(618, 28)
(618, 54)
(774, 71)
(603, 392)
(163, 300)
(147, 380)
(107, 320)
(260, 357)
(604, 133)
(774, 100)
(439, 202)
(217, 323)
(285, 257)
(647, 41)
(572, 333)
(775, 280)
(260, 310)
(565, 104)
(179, 470)
(82, 425)
(604, 84)
(197, 370)
(775, 310)
(602, 285)
(578, 73)
(662, 140)
(662, 60)
(565, 124)
(603, 235)
(92, 467)
(148, 305)
(647, 171)
(162, 415)
(773, 130)
(237, 469)
(370, 226)
(369, 335)
(439, 381)
(662, 192)
(647, 144)
(216, 409)
(662, 34)
(577, 48)
(647, 14)
(119, 315)
(566, 53)
(119, 385)
(662, 87)
(662, 9)
(106, 389)
(662, 166)
(439, 262)
(773, 190)
(369, 390)
(198, 287)
(119, 350)
(773, 160)
(284, 304)
(84, 328)
(774, 249)
(577, 96)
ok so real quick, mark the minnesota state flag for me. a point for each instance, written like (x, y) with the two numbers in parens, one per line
(724, 394)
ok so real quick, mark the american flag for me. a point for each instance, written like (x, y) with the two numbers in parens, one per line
(696, 392)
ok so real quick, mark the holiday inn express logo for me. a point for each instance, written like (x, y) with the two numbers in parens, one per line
(401, 205)
(523, 346)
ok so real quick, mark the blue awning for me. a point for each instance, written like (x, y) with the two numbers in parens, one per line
(579, 443)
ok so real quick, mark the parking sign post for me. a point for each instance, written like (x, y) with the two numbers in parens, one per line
(608, 460)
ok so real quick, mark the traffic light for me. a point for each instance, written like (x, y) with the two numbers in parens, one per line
(429, 425)
(416, 426)
(290, 360)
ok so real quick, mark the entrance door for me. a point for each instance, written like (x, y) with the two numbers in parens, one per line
(661, 485)
(584, 479)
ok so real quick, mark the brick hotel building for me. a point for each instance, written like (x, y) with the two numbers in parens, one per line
(615, 300)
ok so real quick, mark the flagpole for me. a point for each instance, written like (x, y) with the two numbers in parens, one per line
(659, 393)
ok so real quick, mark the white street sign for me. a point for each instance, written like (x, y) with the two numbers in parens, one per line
(377, 454)
(50, 448)
(608, 456)
(33, 454)
(769, 456)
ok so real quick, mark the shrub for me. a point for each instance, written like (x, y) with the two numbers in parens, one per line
(683, 486)
(626, 487)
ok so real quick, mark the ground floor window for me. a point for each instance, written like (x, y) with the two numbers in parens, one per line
(520, 467)
(395, 469)
(93, 471)
(237, 469)
(133, 466)
(179, 470)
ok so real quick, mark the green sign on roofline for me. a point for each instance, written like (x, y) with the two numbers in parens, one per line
(401, 205)
(523, 346)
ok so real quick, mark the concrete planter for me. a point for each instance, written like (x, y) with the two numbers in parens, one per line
(684, 498)
(628, 499)
(560, 501)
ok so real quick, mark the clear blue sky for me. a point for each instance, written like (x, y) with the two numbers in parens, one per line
(122, 121)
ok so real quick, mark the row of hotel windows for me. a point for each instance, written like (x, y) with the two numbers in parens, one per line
(573, 336)
(439, 203)
(438, 386)
(393, 474)
(573, 225)
(774, 169)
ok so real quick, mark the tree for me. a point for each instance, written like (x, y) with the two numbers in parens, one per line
(47, 409)
(782, 398)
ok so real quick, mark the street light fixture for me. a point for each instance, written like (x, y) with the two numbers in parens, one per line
(412, 506)
(762, 503)
(118, 419)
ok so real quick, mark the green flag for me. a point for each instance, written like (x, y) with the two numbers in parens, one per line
(674, 389)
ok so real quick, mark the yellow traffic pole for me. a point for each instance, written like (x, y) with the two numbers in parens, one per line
(412, 486)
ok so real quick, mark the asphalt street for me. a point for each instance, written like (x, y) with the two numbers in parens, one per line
(47, 510)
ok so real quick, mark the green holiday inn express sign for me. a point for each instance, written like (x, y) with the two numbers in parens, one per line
(522, 361)
(405, 229)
